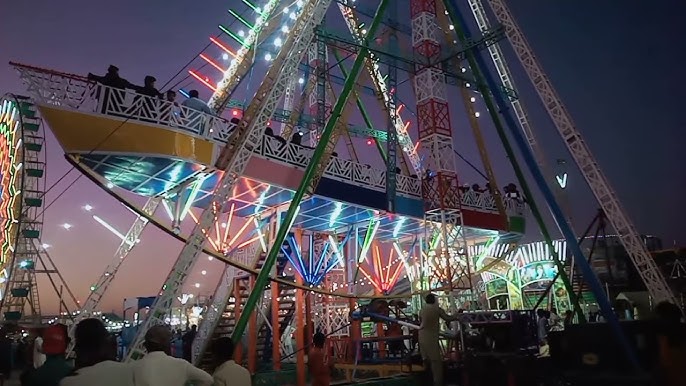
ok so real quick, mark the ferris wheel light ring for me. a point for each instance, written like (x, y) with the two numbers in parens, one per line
(11, 157)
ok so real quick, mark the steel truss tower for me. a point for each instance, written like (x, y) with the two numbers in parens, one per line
(440, 188)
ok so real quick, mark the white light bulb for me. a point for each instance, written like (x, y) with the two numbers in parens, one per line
(225, 56)
(452, 27)
(67, 226)
(241, 33)
(292, 15)
(277, 42)
(477, 114)
(268, 56)
(284, 29)
(472, 99)
(197, 285)
(285, 10)
(301, 81)
(203, 272)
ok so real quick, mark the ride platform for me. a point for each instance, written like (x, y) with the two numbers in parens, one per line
(152, 147)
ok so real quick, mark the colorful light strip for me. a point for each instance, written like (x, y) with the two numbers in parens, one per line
(10, 157)
(383, 275)
(222, 88)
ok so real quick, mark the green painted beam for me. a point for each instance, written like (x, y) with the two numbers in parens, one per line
(365, 116)
(263, 277)
(493, 112)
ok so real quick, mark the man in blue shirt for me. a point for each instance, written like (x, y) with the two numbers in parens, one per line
(196, 120)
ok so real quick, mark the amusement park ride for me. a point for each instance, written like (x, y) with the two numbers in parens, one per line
(307, 231)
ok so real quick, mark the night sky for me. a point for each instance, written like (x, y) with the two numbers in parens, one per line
(617, 65)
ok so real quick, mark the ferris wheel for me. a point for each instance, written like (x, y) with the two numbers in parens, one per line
(22, 187)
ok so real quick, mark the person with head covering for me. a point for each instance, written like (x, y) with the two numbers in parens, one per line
(93, 358)
(429, 330)
(159, 368)
(228, 373)
(55, 367)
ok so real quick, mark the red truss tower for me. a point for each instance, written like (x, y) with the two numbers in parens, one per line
(439, 183)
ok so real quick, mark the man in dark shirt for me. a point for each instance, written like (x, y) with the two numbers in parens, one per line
(55, 367)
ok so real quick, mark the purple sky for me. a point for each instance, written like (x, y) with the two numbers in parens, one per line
(617, 70)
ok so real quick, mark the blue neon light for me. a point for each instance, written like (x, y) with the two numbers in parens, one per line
(314, 272)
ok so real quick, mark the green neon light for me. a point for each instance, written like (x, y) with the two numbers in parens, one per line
(191, 197)
(239, 17)
(233, 35)
(368, 238)
(253, 7)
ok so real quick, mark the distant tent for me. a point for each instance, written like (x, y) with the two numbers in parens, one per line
(138, 303)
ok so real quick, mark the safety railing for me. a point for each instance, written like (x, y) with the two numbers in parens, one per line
(76, 92)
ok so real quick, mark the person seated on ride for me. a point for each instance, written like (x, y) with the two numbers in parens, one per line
(111, 79)
(111, 99)
(195, 103)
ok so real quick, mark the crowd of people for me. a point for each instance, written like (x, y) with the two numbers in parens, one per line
(96, 361)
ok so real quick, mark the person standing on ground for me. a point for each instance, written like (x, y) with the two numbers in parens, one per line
(187, 341)
(158, 368)
(318, 363)
(5, 354)
(429, 330)
(55, 367)
(93, 350)
(228, 373)
(38, 355)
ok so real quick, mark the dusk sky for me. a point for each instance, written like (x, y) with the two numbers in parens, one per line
(618, 65)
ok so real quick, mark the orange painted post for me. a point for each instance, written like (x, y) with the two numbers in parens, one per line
(301, 375)
(237, 308)
(276, 336)
(252, 334)
(308, 317)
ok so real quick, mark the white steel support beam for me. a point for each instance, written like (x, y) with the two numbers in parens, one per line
(234, 158)
(100, 287)
(609, 202)
(248, 256)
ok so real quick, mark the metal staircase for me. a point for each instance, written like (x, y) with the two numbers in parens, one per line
(226, 322)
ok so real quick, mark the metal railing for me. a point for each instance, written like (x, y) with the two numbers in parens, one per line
(73, 92)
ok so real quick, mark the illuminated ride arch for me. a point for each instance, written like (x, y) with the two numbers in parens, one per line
(22, 168)
(521, 275)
